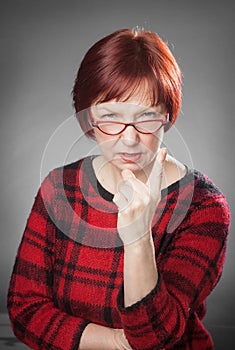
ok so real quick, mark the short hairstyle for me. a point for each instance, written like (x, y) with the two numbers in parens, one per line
(118, 64)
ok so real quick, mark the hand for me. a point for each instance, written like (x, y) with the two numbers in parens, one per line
(137, 201)
(120, 341)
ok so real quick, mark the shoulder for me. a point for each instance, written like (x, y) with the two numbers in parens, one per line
(208, 199)
(68, 178)
(69, 173)
(205, 187)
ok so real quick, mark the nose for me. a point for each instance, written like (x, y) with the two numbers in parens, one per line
(130, 136)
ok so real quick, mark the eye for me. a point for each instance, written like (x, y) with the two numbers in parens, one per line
(108, 117)
(148, 115)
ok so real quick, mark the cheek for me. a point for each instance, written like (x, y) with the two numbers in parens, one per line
(105, 142)
(153, 142)
(100, 137)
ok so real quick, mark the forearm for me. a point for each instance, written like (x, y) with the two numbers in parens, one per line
(96, 337)
(140, 270)
(29, 320)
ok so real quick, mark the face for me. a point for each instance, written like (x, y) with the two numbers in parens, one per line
(129, 149)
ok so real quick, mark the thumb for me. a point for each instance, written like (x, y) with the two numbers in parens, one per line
(127, 174)
(125, 189)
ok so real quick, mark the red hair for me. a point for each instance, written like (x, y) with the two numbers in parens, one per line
(116, 66)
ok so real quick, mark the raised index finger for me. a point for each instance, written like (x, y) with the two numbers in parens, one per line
(155, 177)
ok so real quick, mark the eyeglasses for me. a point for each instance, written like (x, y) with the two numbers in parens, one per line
(144, 127)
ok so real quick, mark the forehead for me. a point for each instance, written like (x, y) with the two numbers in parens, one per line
(130, 106)
(136, 99)
(120, 107)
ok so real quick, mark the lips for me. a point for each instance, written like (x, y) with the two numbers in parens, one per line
(130, 157)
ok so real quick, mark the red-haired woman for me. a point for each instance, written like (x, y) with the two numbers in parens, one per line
(121, 249)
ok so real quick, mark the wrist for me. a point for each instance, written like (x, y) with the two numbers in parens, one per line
(98, 337)
(116, 339)
(119, 340)
(141, 244)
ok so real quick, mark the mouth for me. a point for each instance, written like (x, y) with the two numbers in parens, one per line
(130, 157)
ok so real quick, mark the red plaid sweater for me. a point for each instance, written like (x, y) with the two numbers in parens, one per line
(69, 266)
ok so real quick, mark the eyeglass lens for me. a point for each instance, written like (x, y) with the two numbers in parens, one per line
(144, 127)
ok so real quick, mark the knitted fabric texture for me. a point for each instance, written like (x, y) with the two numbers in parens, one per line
(69, 266)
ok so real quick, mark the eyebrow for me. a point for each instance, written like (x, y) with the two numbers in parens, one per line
(107, 109)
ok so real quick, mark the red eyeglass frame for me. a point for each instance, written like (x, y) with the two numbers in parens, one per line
(164, 122)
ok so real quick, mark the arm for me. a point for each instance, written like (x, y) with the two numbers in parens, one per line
(35, 318)
(187, 273)
(140, 270)
(137, 205)
(97, 337)
(184, 275)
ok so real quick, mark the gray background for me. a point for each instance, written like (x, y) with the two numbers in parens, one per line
(42, 43)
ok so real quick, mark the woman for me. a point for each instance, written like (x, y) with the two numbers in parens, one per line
(121, 250)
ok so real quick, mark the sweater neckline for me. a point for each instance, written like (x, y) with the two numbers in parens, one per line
(108, 196)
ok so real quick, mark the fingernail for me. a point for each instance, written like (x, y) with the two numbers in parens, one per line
(162, 155)
(164, 150)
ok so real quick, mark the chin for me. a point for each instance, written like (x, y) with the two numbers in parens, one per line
(134, 167)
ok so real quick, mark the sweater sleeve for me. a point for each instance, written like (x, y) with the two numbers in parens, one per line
(188, 271)
(34, 318)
